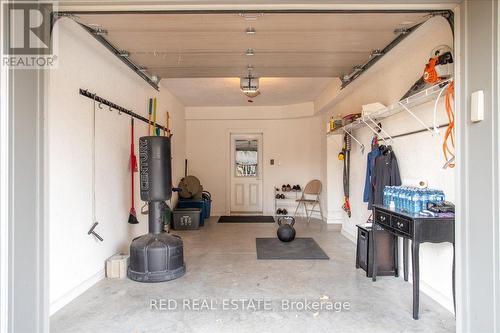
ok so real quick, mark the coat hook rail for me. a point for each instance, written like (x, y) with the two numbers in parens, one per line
(120, 109)
(414, 132)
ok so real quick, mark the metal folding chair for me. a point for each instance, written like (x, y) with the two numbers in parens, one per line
(310, 196)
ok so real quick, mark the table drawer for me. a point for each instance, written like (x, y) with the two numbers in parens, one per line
(383, 218)
(401, 224)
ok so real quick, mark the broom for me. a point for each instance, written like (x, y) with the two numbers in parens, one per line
(132, 218)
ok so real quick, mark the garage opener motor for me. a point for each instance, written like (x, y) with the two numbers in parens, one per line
(157, 256)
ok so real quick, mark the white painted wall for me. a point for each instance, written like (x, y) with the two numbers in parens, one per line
(294, 144)
(76, 259)
(419, 156)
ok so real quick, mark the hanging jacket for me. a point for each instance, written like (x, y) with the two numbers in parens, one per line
(385, 173)
(370, 164)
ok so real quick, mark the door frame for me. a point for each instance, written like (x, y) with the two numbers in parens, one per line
(228, 166)
(36, 89)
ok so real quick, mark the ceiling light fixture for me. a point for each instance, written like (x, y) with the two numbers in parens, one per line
(249, 85)
(249, 52)
(250, 31)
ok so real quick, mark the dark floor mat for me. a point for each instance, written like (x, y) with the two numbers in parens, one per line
(246, 219)
(298, 249)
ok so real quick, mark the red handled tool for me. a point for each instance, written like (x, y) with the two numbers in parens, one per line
(132, 218)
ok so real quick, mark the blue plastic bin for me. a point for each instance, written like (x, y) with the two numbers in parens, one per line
(200, 204)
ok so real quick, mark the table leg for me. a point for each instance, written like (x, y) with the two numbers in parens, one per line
(396, 256)
(374, 251)
(453, 282)
(405, 258)
(416, 277)
(357, 250)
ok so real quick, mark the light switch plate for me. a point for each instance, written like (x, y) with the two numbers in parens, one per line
(477, 106)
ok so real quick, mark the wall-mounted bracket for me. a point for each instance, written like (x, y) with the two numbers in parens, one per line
(372, 129)
(380, 129)
(362, 146)
(417, 118)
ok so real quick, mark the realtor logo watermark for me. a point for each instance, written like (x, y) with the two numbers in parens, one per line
(323, 304)
(28, 41)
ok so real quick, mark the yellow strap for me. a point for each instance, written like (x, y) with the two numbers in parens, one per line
(154, 116)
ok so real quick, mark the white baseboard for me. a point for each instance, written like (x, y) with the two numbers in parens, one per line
(76, 291)
(335, 217)
(348, 235)
(433, 293)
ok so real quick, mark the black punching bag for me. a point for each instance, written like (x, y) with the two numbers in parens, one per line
(155, 168)
(156, 256)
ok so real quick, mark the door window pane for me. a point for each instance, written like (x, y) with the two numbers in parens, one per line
(246, 158)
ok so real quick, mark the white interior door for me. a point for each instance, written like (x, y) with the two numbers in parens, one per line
(246, 173)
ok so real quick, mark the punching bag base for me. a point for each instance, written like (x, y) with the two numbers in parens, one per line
(156, 258)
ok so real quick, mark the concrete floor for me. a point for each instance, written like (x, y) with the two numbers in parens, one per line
(222, 265)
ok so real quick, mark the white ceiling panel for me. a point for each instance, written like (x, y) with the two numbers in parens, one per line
(285, 44)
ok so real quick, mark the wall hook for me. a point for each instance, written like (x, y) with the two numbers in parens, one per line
(92, 232)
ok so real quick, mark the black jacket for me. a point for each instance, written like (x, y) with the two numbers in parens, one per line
(385, 173)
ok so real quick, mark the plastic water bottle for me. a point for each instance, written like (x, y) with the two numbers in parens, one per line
(404, 203)
(401, 199)
(395, 197)
(424, 199)
(432, 196)
(416, 203)
(407, 201)
(440, 196)
(386, 196)
(409, 205)
(392, 197)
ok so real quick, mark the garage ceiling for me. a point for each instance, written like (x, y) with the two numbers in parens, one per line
(284, 44)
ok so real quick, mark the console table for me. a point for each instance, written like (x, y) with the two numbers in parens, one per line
(418, 229)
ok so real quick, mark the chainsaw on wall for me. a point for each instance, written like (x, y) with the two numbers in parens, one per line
(438, 68)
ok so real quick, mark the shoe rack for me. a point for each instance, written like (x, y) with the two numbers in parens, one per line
(288, 202)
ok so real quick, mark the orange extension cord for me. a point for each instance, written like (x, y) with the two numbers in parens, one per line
(449, 148)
